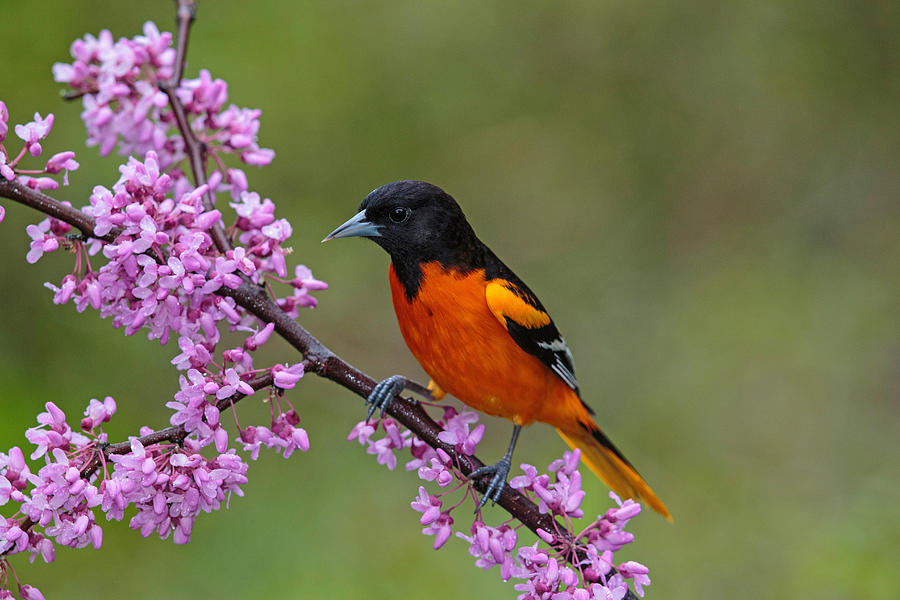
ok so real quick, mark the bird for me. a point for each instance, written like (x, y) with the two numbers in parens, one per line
(479, 332)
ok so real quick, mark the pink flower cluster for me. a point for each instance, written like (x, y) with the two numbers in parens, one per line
(432, 465)
(170, 486)
(56, 499)
(121, 84)
(163, 270)
(570, 566)
(283, 434)
(561, 495)
(32, 133)
(167, 483)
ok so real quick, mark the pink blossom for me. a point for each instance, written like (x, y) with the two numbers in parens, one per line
(258, 158)
(193, 355)
(5, 170)
(636, 571)
(278, 231)
(286, 377)
(242, 260)
(6, 489)
(290, 437)
(284, 436)
(456, 432)
(38, 183)
(170, 494)
(35, 131)
(15, 469)
(52, 433)
(492, 546)
(233, 384)
(29, 592)
(437, 472)
(383, 448)
(62, 161)
(428, 505)
(362, 431)
(98, 412)
(441, 528)
(256, 213)
(4, 118)
(303, 283)
(238, 180)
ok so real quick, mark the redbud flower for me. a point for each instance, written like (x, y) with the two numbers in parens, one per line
(286, 377)
(428, 505)
(39, 183)
(440, 528)
(437, 472)
(233, 384)
(260, 337)
(35, 131)
(29, 592)
(98, 412)
(4, 117)
(5, 171)
(456, 432)
(6, 489)
(362, 431)
(62, 161)
(636, 571)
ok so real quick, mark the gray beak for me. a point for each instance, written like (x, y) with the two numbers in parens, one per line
(357, 226)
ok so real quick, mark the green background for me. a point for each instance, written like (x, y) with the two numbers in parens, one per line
(704, 194)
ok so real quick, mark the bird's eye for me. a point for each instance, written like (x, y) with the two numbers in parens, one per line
(399, 214)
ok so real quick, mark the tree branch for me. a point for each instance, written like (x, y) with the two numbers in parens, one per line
(319, 358)
(195, 149)
(184, 18)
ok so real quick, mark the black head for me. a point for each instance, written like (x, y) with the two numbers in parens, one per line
(415, 222)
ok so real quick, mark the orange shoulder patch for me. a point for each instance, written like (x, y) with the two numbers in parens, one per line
(506, 304)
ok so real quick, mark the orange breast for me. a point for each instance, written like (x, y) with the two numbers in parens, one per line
(466, 351)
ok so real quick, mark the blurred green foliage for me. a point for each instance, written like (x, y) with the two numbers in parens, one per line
(705, 194)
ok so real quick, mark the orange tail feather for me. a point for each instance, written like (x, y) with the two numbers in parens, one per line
(610, 466)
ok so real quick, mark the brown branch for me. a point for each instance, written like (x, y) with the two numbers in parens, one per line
(184, 18)
(52, 207)
(319, 359)
(195, 149)
(75, 95)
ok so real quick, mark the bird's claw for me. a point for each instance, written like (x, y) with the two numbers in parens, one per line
(498, 481)
(382, 393)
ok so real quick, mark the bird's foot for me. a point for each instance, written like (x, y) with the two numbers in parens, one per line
(500, 472)
(383, 392)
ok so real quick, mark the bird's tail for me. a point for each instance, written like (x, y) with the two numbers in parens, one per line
(605, 460)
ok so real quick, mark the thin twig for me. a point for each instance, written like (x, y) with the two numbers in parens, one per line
(195, 149)
(185, 14)
(76, 94)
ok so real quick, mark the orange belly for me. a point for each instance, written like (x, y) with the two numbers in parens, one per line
(467, 352)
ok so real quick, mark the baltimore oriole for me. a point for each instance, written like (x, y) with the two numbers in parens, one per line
(479, 332)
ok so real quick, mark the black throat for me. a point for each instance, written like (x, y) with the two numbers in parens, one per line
(466, 256)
